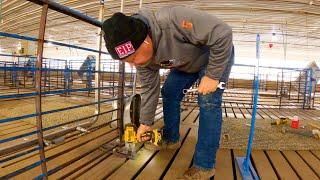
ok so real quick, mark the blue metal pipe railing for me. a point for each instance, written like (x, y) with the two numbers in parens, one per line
(33, 165)
(268, 67)
(11, 96)
(46, 129)
(246, 169)
(53, 127)
(33, 69)
(19, 155)
(24, 169)
(49, 4)
(51, 111)
(28, 38)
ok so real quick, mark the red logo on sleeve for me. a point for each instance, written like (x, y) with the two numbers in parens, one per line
(186, 24)
(125, 49)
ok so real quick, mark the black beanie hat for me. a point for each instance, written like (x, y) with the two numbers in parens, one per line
(123, 35)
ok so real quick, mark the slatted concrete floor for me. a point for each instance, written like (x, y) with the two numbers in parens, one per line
(85, 157)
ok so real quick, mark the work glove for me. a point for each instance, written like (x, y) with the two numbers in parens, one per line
(141, 130)
(207, 85)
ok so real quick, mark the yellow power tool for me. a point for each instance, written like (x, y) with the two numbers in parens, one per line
(130, 141)
(281, 121)
(130, 135)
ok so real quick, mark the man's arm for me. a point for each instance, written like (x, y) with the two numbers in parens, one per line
(150, 84)
(201, 28)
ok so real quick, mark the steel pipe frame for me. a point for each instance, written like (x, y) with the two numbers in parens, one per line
(52, 127)
(26, 168)
(54, 170)
(281, 83)
(305, 100)
(121, 84)
(42, 29)
(29, 56)
(98, 65)
(47, 137)
(56, 126)
(16, 36)
(63, 9)
(68, 11)
(281, 89)
(51, 136)
(315, 90)
(310, 76)
(52, 111)
(49, 69)
(46, 70)
(58, 168)
(57, 7)
(12, 96)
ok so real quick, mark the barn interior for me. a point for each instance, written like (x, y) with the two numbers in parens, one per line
(64, 101)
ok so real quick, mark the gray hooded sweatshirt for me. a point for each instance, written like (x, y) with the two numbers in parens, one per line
(185, 39)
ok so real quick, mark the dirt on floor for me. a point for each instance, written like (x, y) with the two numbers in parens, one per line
(235, 133)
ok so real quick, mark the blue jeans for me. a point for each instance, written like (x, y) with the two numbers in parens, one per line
(210, 118)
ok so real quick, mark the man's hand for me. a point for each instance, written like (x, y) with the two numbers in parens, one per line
(207, 85)
(141, 130)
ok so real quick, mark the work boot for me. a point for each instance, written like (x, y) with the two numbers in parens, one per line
(163, 146)
(199, 174)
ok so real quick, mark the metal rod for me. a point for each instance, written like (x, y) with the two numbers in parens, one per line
(310, 86)
(290, 85)
(38, 89)
(121, 85)
(50, 77)
(12, 96)
(29, 56)
(314, 90)
(21, 145)
(98, 66)
(305, 89)
(122, 6)
(254, 109)
(5, 74)
(277, 84)
(28, 38)
(68, 11)
(299, 86)
(252, 94)
(281, 88)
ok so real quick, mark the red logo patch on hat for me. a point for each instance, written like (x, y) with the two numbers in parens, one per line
(125, 49)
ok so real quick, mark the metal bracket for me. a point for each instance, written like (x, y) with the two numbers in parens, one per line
(47, 143)
(55, 141)
(247, 173)
(128, 151)
(81, 129)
